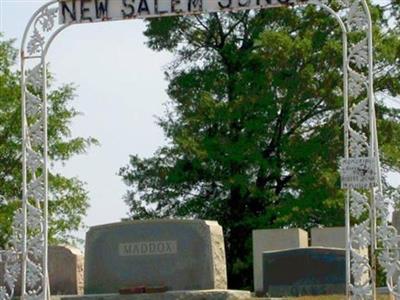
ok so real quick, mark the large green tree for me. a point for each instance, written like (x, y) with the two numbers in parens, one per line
(68, 197)
(254, 123)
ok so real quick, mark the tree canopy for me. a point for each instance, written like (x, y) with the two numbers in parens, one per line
(255, 123)
(68, 199)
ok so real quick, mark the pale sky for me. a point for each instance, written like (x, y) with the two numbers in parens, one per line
(121, 88)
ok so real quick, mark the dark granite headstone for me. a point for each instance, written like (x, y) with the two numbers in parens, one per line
(306, 271)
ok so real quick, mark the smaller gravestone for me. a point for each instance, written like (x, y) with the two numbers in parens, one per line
(307, 271)
(332, 237)
(66, 265)
(65, 271)
(177, 254)
(396, 220)
(270, 240)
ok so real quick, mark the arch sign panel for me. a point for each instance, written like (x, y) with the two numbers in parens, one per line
(366, 209)
(108, 10)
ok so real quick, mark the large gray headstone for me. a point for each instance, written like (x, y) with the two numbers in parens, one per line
(178, 254)
(307, 271)
(270, 240)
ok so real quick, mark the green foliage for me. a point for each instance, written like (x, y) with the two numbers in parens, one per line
(68, 197)
(254, 124)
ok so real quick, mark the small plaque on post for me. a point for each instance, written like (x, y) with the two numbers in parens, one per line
(358, 173)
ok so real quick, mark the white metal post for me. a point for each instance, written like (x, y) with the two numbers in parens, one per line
(24, 179)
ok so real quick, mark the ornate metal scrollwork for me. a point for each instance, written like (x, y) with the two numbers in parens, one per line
(12, 258)
(389, 243)
(361, 142)
(387, 238)
(28, 261)
(359, 204)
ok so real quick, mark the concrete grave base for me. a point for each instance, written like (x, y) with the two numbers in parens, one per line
(171, 295)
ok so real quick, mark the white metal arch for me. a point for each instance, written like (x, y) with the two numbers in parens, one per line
(27, 257)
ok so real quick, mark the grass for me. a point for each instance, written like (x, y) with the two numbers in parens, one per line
(338, 297)
(329, 297)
